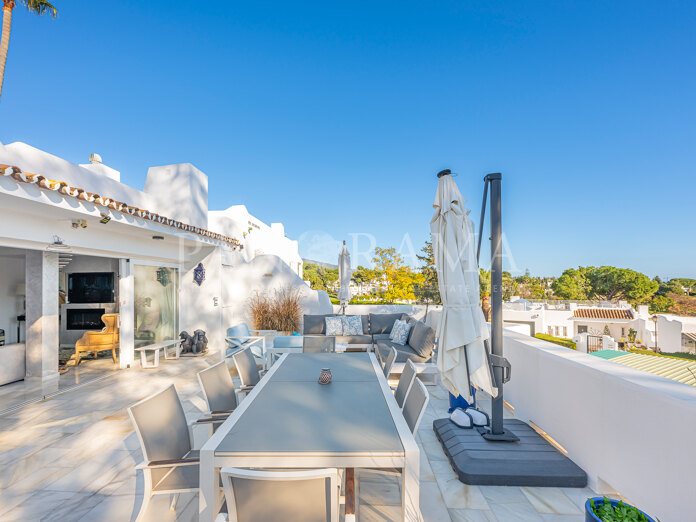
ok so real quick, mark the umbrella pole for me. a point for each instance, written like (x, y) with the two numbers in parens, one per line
(497, 431)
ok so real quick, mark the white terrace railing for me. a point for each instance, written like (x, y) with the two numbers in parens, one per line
(631, 431)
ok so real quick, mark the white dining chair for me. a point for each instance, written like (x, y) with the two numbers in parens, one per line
(253, 495)
(247, 369)
(218, 390)
(389, 362)
(170, 464)
(415, 404)
(405, 382)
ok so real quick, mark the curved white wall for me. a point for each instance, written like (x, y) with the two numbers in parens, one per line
(264, 273)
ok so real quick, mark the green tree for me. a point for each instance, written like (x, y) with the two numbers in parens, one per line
(39, 7)
(660, 304)
(611, 283)
(572, 284)
(685, 284)
(605, 282)
(428, 291)
(320, 277)
(363, 275)
(400, 277)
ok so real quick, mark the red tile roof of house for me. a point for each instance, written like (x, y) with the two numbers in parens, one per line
(65, 189)
(603, 313)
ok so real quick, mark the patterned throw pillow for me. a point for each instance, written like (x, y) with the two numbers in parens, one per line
(334, 326)
(399, 333)
(352, 325)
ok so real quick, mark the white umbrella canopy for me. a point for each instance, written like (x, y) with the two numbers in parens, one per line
(462, 357)
(344, 274)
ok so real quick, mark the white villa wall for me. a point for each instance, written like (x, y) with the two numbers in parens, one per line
(11, 305)
(261, 239)
(543, 319)
(200, 307)
(37, 161)
(626, 428)
(264, 274)
(179, 192)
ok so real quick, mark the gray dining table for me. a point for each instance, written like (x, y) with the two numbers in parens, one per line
(289, 420)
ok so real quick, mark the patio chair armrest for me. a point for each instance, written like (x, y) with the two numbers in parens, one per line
(210, 420)
(221, 412)
(173, 463)
(264, 332)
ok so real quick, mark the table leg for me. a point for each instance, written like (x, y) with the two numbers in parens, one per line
(350, 494)
(411, 487)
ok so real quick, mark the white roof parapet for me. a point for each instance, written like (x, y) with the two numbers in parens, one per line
(63, 188)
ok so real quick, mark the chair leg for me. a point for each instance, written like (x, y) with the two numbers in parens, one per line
(143, 507)
(175, 499)
(113, 354)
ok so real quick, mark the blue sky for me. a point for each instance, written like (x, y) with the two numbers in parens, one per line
(334, 117)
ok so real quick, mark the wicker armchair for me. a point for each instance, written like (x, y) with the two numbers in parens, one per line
(94, 342)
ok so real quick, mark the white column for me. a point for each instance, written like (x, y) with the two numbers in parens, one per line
(42, 335)
(126, 293)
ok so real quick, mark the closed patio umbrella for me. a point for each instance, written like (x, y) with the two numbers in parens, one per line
(344, 274)
(462, 356)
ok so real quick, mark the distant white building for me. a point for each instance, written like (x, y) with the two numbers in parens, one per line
(568, 319)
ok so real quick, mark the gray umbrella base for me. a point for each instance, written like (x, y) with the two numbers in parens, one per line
(530, 462)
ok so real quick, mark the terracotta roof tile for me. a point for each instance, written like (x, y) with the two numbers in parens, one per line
(64, 188)
(603, 313)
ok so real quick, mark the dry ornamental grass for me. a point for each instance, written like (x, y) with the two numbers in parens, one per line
(279, 311)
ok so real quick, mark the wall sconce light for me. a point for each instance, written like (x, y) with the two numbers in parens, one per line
(158, 238)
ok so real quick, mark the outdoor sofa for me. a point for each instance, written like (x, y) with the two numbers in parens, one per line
(419, 347)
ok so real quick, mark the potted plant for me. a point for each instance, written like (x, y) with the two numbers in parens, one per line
(603, 509)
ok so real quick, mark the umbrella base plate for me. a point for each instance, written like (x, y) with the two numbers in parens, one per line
(531, 461)
(505, 436)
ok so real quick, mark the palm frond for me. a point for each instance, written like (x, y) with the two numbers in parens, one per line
(40, 7)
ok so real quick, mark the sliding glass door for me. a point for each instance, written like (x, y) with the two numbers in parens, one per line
(156, 304)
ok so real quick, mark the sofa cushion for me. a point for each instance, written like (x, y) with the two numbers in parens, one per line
(352, 325)
(381, 337)
(354, 339)
(315, 324)
(334, 326)
(422, 339)
(382, 323)
(400, 331)
(403, 353)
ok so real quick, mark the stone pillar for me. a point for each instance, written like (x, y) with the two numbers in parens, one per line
(42, 336)
(126, 311)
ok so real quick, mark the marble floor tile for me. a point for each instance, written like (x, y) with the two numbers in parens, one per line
(378, 513)
(472, 515)
(515, 512)
(455, 493)
(579, 495)
(503, 494)
(550, 501)
(434, 451)
(426, 471)
(432, 504)
(563, 518)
